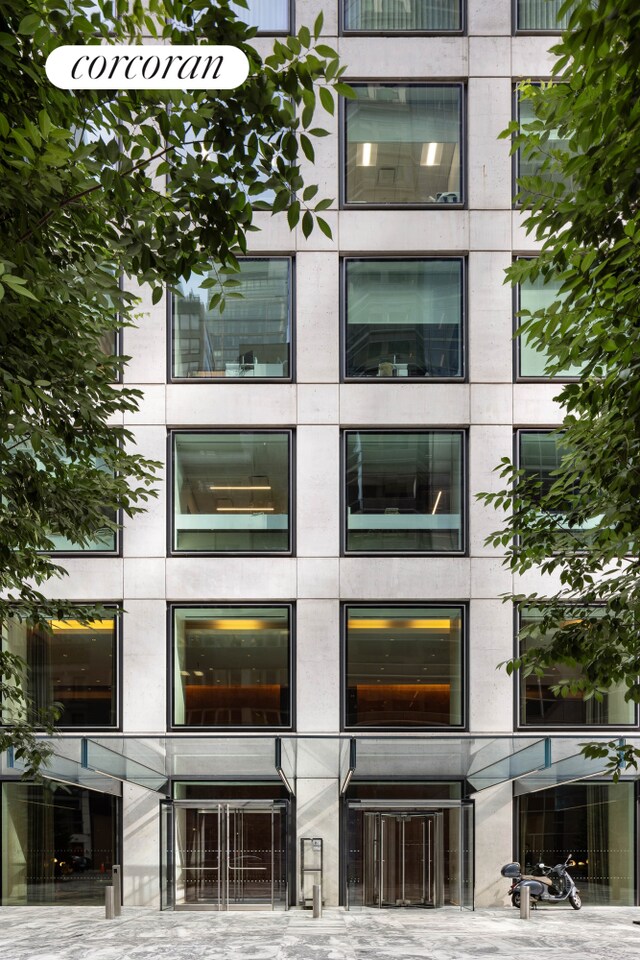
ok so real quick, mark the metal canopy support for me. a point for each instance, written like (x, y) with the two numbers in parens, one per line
(351, 768)
(279, 770)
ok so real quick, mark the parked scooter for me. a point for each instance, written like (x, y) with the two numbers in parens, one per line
(550, 885)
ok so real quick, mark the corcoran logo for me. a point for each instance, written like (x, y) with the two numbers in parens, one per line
(147, 67)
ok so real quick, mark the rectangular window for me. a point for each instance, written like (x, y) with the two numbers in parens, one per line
(595, 822)
(404, 667)
(403, 144)
(541, 453)
(268, 16)
(531, 166)
(402, 16)
(59, 844)
(232, 666)
(539, 706)
(252, 338)
(536, 295)
(403, 318)
(541, 15)
(72, 663)
(404, 492)
(231, 492)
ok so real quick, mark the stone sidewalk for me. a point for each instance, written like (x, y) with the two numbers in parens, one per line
(82, 933)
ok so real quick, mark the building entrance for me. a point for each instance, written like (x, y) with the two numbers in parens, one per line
(225, 856)
(403, 860)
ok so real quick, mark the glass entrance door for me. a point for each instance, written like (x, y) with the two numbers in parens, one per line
(403, 859)
(224, 856)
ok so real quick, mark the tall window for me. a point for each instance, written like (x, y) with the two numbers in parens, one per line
(59, 844)
(231, 492)
(404, 666)
(404, 492)
(541, 15)
(531, 166)
(72, 663)
(402, 16)
(403, 318)
(539, 706)
(403, 144)
(252, 338)
(268, 16)
(593, 821)
(232, 666)
(536, 295)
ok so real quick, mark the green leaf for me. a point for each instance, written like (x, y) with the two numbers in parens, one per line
(293, 214)
(324, 227)
(307, 223)
(307, 147)
(317, 27)
(29, 24)
(326, 99)
(345, 90)
(309, 193)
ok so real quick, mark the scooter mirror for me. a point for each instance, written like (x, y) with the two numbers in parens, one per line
(541, 866)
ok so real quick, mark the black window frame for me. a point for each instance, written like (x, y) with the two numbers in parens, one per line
(342, 127)
(464, 493)
(518, 31)
(170, 310)
(173, 432)
(463, 606)
(118, 617)
(344, 319)
(344, 31)
(191, 730)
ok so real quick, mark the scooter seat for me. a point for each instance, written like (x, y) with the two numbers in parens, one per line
(545, 880)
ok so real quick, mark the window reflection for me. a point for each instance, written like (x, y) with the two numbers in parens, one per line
(397, 16)
(250, 339)
(231, 492)
(404, 318)
(533, 295)
(531, 166)
(403, 144)
(71, 663)
(231, 666)
(541, 15)
(539, 706)
(268, 16)
(404, 666)
(404, 491)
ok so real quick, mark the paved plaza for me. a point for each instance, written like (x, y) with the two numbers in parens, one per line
(82, 933)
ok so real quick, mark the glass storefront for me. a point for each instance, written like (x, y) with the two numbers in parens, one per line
(404, 667)
(595, 822)
(252, 338)
(232, 666)
(403, 144)
(404, 492)
(71, 663)
(58, 844)
(231, 492)
(403, 318)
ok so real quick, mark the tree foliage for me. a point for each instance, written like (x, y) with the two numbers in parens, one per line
(83, 204)
(584, 207)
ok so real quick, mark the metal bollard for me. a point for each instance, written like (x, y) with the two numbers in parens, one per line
(108, 902)
(117, 890)
(317, 901)
(525, 903)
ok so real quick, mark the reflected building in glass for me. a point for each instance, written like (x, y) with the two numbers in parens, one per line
(293, 675)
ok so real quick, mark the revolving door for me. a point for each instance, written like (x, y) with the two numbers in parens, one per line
(403, 859)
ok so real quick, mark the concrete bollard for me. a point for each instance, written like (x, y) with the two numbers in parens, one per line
(317, 901)
(117, 890)
(108, 902)
(525, 903)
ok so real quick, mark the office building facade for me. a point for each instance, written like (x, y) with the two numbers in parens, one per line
(299, 680)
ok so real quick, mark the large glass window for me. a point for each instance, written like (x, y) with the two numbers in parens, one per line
(404, 491)
(593, 821)
(251, 338)
(536, 295)
(541, 454)
(268, 16)
(403, 144)
(231, 666)
(541, 15)
(404, 667)
(531, 166)
(58, 844)
(403, 318)
(402, 16)
(539, 706)
(231, 492)
(72, 663)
